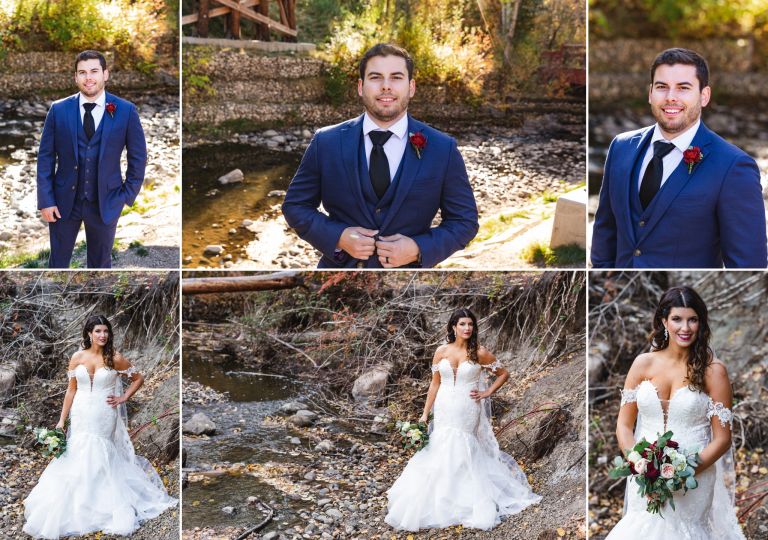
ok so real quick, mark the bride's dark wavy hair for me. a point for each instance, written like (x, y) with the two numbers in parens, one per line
(472, 345)
(108, 353)
(700, 354)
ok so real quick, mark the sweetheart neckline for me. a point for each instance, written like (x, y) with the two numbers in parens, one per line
(656, 390)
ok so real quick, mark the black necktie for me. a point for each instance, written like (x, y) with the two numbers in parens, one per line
(379, 167)
(654, 172)
(88, 124)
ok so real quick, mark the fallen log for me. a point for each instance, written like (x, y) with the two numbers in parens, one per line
(266, 282)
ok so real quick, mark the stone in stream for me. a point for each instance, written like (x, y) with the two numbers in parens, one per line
(325, 446)
(276, 193)
(229, 510)
(370, 387)
(232, 177)
(311, 475)
(323, 502)
(295, 441)
(301, 420)
(270, 536)
(292, 407)
(200, 424)
(213, 249)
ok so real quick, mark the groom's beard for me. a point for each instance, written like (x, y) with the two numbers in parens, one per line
(685, 118)
(382, 113)
(92, 91)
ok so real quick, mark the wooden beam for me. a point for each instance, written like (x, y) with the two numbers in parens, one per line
(202, 22)
(267, 282)
(234, 23)
(258, 17)
(216, 12)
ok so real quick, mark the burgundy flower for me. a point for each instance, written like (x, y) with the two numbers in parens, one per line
(651, 473)
(692, 156)
(672, 444)
(111, 108)
(419, 142)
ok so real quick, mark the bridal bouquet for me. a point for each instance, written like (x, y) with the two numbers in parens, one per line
(659, 468)
(53, 441)
(414, 434)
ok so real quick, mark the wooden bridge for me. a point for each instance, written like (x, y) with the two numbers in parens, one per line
(253, 10)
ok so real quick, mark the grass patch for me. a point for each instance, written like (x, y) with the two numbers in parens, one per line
(137, 207)
(497, 224)
(139, 248)
(25, 260)
(562, 256)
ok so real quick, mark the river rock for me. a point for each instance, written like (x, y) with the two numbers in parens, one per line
(334, 513)
(311, 475)
(7, 382)
(213, 249)
(303, 418)
(323, 502)
(229, 510)
(276, 193)
(295, 441)
(200, 424)
(369, 387)
(325, 446)
(292, 407)
(232, 177)
(270, 536)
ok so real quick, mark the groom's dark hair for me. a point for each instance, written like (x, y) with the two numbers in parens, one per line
(91, 55)
(386, 49)
(687, 57)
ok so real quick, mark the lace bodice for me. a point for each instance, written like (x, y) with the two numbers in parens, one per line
(103, 379)
(687, 413)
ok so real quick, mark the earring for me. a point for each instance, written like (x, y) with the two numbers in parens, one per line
(666, 334)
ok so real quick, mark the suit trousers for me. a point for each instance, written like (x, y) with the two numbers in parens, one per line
(99, 237)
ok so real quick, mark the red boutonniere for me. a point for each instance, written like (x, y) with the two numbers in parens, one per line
(111, 108)
(419, 142)
(692, 156)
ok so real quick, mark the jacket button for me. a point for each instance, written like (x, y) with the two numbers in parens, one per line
(642, 223)
(637, 253)
(73, 188)
(75, 167)
(378, 210)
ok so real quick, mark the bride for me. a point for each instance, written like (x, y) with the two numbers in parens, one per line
(98, 484)
(680, 386)
(460, 477)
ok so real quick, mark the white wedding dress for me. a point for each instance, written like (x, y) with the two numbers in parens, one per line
(460, 477)
(704, 513)
(98, 484)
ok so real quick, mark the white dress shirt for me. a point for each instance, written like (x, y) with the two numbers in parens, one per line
(673, 159)
(98, 110)
(394, 148)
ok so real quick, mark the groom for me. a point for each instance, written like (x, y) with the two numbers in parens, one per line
(381, 178)
(79, 179)
(676, 195)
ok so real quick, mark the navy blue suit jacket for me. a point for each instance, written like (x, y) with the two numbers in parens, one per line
(710, 218)
(329, 174)
(57, 159)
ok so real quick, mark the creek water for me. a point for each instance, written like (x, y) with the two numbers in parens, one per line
(207, 202)
(12, 134)
(242, 437)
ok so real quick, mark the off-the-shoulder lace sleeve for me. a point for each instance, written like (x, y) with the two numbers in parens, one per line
(492, 367)
(628, 395)
(435, 368)
(723, 413)
(128, 372)
(71, 374)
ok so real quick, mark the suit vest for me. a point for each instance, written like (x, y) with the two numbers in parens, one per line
(88, 163)
(377, 207)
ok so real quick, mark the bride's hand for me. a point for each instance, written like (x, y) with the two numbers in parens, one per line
(60, 425)
(477, 396)
(424, 419)
(114, 401)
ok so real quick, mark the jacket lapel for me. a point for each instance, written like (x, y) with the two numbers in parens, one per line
(636, 144)
(677, 181)
(409, 173)
(106, 125)
(73, 121)
(351, 135)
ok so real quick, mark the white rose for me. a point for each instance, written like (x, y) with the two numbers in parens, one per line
(641, 465)
(671, 452)
(633, 457)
